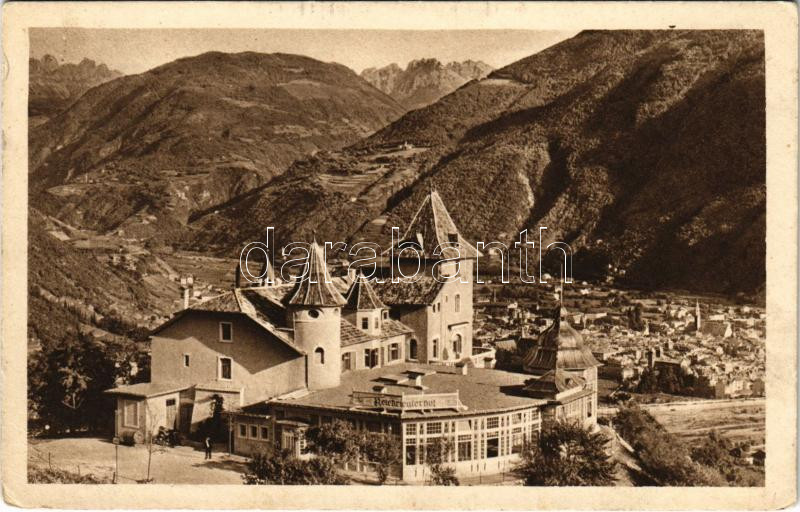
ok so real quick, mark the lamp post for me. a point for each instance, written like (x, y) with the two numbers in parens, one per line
(116, 446)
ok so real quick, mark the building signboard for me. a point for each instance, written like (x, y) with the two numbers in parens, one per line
(415, 402)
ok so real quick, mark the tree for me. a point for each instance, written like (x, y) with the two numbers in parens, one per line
(282, 468)
(648, 382)
(567, 454)
(337, 439)
(381, 449)
(151, 430)
(342, 442)
(662, 456)
(66, 381)
(435, 457)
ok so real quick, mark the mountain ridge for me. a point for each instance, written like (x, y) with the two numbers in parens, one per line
(52, 86)
(151, 149)
(425, 80)
(644, 150)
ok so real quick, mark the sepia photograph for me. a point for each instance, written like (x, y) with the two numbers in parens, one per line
(298, 256)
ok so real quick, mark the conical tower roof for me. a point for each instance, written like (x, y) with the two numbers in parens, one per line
(559, 347)
(432, 226)
(362, 296)
(315, 288)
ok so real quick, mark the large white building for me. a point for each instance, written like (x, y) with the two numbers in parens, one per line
(395, 358)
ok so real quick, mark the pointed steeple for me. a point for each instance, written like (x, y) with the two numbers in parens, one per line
(361, 296)
(697, 322)
(432, 226)
(315, 288)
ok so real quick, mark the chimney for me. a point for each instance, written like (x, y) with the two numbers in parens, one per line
(351, 274)
(237, 277)
(187, 284)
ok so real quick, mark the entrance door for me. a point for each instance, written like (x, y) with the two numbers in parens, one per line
(289, 441)
(185, 421)
(172, 410)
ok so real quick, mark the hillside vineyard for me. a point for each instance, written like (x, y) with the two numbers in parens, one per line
(356, 256)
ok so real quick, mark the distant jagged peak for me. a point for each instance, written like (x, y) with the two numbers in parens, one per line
(424, 80)
(50, 64)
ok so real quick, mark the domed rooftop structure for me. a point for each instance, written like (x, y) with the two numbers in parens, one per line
(559, 347)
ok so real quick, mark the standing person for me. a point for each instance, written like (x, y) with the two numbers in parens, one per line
(207, 444)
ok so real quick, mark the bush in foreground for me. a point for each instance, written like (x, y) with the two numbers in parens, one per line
(566, 454)
(281, 468)
(37, 475)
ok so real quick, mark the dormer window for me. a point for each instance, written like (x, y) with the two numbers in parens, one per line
(365, 323)
(385, 315)
(225, 332)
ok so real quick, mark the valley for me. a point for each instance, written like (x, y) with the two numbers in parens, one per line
(635, 163)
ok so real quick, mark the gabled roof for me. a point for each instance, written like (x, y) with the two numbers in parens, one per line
(361, 296)
(432, 227)
(243, 301)
(421, 292)
(225, 303)
(266, 306)
(146, 389)
(352, 335)
(315, 288)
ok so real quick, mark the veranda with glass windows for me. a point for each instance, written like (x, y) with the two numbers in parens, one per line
(486, 444)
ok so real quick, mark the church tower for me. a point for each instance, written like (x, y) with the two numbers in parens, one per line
(315, 308)
(697, 322)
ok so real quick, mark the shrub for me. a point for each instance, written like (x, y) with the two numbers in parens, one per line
(37, 475)
(281, 468)
(567, 454)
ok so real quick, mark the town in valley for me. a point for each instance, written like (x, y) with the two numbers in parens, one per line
(638, 351)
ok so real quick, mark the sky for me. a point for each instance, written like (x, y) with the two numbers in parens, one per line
(138, 50)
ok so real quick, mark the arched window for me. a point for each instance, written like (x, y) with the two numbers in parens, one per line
(458, 303)
(412, 349)
(435, 350)
(457, 344)
(319, 355)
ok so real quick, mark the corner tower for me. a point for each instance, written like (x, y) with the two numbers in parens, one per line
(315, 309)
(364, 309)
(444, 326)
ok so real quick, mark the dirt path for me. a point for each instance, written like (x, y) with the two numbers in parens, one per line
(180, 465)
